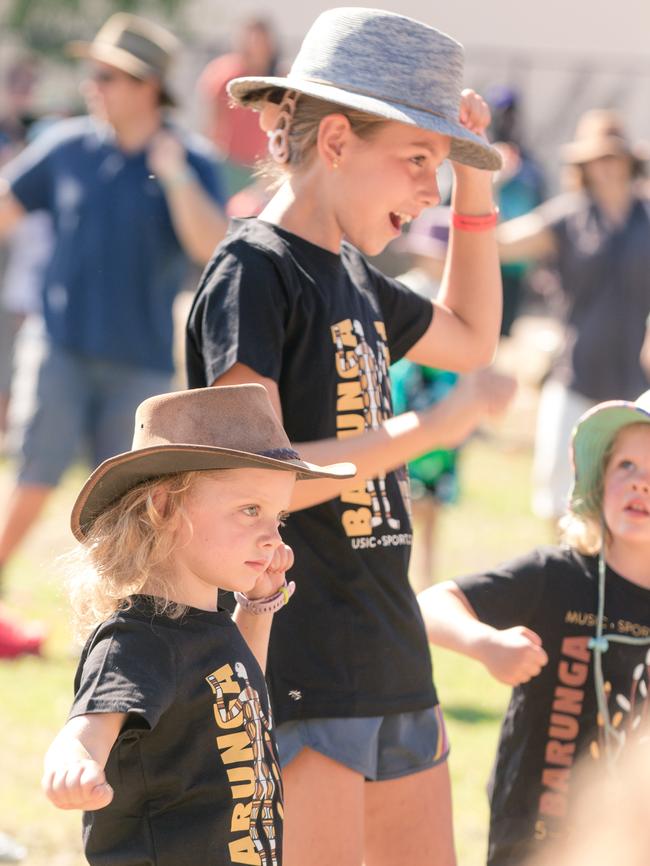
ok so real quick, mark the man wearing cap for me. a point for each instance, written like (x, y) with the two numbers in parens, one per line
(132, 198)
(598, 238)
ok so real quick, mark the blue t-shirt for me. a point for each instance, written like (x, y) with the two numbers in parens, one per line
(117, 263)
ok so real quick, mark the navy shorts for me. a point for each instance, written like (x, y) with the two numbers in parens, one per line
(378, 747)
(62, 401)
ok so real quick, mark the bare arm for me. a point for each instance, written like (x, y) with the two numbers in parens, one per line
(644, 355)
(464, 331)
(525, 238)
(73, 776)
(11, 210)
(395, 441)
(512, 655)
(256, 628)
(199, 223)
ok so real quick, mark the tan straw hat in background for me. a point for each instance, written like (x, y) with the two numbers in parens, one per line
(135, 46)
(600, 132)
(230, 427)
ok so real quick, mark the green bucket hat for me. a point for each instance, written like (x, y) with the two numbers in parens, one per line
(592, 436)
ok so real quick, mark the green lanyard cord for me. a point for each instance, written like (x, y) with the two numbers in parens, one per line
(614, 740)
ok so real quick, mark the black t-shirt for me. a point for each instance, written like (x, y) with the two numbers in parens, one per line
(552, 720)
(194, 768)
(605, 276)
(326, 327)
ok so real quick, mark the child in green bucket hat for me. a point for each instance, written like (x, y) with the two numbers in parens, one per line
(569, 628)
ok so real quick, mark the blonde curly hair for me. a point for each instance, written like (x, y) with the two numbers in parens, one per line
(125, 553)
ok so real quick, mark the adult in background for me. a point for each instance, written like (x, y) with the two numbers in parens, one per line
(17, 118)
(598, 237)
(132, 197)
(234, 130)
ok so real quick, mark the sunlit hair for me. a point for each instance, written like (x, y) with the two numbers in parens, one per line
(581, 532)
(303, 133)
(126, 551)
(584, 532)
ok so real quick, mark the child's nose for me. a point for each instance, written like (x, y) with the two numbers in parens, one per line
(271, 538)
(430, 192)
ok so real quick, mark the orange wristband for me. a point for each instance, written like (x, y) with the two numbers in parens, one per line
(471, 223)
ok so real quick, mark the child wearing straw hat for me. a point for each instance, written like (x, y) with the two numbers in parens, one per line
(358, 128)
(569, 628)
(169, 747)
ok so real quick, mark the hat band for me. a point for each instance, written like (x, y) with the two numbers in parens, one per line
(373, 95)
(280, 454)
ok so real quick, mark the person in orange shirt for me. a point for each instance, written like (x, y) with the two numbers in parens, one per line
(234, 130)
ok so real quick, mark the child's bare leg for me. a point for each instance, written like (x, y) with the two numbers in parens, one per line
(323, 808)
(408, 820)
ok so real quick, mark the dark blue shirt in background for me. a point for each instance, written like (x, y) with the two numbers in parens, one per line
(117, 263)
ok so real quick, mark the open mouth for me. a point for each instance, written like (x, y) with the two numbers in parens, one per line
(637, 508)
(399, 219)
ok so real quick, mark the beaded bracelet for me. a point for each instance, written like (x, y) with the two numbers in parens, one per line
(269, 604)
(472, 223)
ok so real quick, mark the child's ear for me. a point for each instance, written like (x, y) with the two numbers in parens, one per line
(160, 499)
(268, 117)
(334, 134)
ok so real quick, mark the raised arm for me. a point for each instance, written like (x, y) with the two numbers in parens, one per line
(446, 424)
(256, 628)
(644, 355)
(526, 238)
(513, 656)
(198, 221)
(465, 328)
(73, 776)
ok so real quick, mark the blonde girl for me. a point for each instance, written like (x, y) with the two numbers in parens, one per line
(358, 129)
(169, 746)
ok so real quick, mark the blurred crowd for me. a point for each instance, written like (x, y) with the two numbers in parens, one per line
(90, 269)
(93, 260)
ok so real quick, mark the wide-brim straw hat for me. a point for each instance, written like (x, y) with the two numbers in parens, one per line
(592, 437)
(600, 132)
(384, 64)
(134, 45)
(229, 427)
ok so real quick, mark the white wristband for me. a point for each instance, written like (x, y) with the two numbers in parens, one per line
(269, 604)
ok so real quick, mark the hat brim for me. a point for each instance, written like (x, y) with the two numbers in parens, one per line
(592, 437)
(120, 59)
(118, 474)
(581, 152)
(466, 147)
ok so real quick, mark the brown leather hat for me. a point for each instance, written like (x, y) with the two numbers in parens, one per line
(135, 46)
(600, 132)
(230, 427)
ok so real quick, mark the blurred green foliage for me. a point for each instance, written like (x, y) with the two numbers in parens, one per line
(46, 25)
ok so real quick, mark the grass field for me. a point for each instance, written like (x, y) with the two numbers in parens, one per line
(492, 522)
